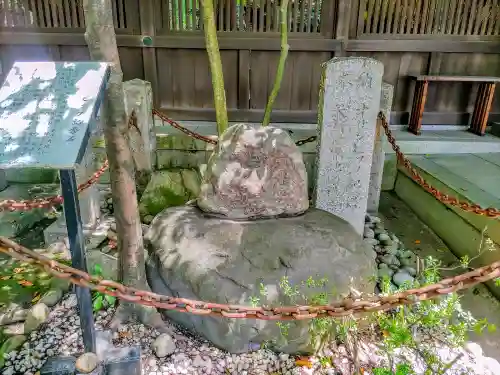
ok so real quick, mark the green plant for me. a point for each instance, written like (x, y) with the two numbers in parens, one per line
(100, 300)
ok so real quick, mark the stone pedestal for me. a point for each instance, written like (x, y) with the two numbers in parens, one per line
(89, 203)
(377, 170)
(348, 108)
(138, 97)
(3, 180)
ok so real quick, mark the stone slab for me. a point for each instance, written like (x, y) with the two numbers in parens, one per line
(47, 110)
(138, 97)
(16, 222)
(377, 169)
(349, 103)
(3, 180)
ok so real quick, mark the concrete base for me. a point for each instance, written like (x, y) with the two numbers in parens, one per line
(461, 231)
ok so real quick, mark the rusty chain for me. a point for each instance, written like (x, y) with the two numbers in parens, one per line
(440, 196)
(26, 205)
(346, 306)
(343, 307)
(206, 139)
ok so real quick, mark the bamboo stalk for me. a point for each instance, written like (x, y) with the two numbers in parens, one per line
(212, 46)
(281, 63)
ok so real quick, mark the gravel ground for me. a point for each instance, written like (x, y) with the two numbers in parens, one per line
(181, 353)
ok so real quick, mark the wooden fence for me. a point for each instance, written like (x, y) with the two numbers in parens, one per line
(162, 41)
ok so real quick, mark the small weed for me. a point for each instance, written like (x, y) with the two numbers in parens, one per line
(100, 300)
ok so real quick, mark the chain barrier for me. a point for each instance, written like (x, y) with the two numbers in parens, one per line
(206, 139)
(343, 307)
(347, 306)
(440, 196)
(26, 205)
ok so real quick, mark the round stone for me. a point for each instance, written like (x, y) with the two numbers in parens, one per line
(163, 345)
(254, 172)
(402, 277)
(236, 262)
(87, 363)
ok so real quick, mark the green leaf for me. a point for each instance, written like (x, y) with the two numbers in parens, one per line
(98, 303)
(110, 300)
(98, 270)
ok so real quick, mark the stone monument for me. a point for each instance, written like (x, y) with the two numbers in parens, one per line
(255, 172)
(377, 170)
(46, 114)
(249, 235)
(138, 97)
(348, 108)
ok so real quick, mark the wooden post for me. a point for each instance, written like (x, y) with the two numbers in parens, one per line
(482, 108)
(417, 111)
(146, 15)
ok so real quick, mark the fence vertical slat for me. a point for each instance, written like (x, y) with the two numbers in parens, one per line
(494, 16)
(478, 19)
(34, 13)
(410, 13)
(451, 16)
(318, 6)
(269, 22)
(295, 17)
(67, 13)
(60, 9)
(425, 10)
(81, 16)
(496, 27)
(53, 10)
(376, 16)
(369, 16)
(309, 15)
(234, 15)
(289, 16)
(180, 19)
(226, 25)
(430, 18)
(464, 17)
(390, 17)
(254, 16)
(47, 13)
(404, 9)
(198, 2)
(383, 17)
(302, 15)
(8, 13)
(418, 13)
(397, 17)
(472, 16)
(437, 17)
(486, 15)
(444, 16)
(458, 17)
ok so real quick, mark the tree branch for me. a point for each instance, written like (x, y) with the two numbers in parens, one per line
(281, 63)
(212, 46)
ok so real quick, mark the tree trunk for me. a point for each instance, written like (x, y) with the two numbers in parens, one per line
(212, 46)
(101, 40)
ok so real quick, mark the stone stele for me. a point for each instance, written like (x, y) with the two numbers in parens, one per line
(239, 262)
(254, 172)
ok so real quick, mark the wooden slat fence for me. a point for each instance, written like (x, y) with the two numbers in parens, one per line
(434, 17)
(409, 36)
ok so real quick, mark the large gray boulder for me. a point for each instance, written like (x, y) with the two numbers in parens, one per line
(254, 172)
(226, 261)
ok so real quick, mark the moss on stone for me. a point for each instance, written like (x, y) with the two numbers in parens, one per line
(167, 189)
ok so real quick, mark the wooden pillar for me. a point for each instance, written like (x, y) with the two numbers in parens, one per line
(482, 108)
(417, 111)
